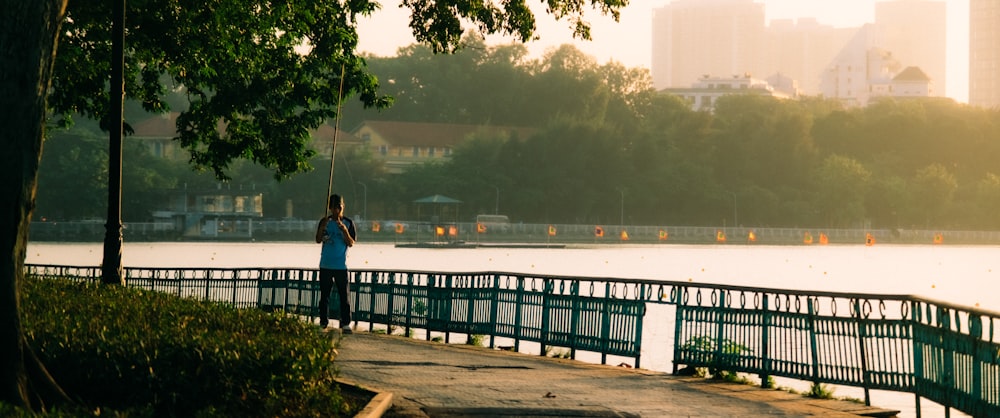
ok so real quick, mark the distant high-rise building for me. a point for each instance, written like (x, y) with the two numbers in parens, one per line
(802, 49)
(692, 38)
(914, 31)
(984, 53)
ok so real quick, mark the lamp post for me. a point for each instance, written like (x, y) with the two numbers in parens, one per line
(496, 207)
(111, 267)
(736, 222)
(622, 191)
(365, 207)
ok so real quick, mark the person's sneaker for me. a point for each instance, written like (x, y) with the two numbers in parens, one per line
(346, 330)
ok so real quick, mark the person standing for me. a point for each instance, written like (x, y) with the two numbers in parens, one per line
(336, 233)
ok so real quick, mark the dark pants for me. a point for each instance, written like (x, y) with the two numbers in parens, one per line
(327, 278)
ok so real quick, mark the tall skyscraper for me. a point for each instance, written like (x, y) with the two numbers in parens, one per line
(692, 38)
(914, 32)
(984, 53)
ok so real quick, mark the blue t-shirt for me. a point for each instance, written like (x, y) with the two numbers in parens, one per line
(334, 253)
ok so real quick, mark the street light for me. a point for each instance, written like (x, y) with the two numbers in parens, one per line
(622, 190)
(111, 267)
(365, 207)
(496, 207)
(736, 222)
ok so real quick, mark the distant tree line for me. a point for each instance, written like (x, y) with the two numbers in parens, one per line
(608, 147)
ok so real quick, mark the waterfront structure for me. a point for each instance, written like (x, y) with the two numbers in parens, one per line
(220, 213)
(402, 144)
(914, 31)
(984, 53)
(703, 94)
(224, 212)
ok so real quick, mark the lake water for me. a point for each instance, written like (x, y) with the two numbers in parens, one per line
(965, 275)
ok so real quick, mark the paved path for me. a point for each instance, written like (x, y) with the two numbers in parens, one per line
(429, 379)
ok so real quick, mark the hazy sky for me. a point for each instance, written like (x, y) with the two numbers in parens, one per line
(629, 43)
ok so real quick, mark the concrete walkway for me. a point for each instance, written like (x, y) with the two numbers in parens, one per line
(429, 379)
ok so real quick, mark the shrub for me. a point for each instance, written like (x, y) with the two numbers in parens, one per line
(155, 354)
(820, 391)
(707, 345)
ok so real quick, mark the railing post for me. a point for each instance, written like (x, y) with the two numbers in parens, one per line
(976, 332)
(862, 338)
(813, 348)
(494, 309)
(948, 347)
(409, 300)
(234, 280)
(719, 331)
(545, 316)
(574, 288)
(470, 308)
(300, 285)
(390, 305)
(765, 335)
(450, 288)
(638, 325)
(519, 313)
(677, 299)
(432, 305)
(918, 356)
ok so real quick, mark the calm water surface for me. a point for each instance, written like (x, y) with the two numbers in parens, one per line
(965, 275)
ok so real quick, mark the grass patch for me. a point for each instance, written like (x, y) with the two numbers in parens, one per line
(125, 352)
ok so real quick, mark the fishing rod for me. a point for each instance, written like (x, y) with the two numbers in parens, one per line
(333, 149)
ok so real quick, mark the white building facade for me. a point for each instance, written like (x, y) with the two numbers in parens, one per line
(703, 94)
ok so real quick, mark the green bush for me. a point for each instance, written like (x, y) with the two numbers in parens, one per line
(151, 354)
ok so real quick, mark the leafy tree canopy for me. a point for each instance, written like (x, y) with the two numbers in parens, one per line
(259, 75)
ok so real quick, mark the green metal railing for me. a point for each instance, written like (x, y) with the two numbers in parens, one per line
(935, 350)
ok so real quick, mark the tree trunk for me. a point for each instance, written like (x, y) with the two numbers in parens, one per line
(28, 36)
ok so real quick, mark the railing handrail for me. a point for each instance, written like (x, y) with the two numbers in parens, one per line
(683, 284)
(931, 340)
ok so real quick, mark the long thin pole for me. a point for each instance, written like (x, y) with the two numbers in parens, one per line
(111, 267)
(333, 149)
